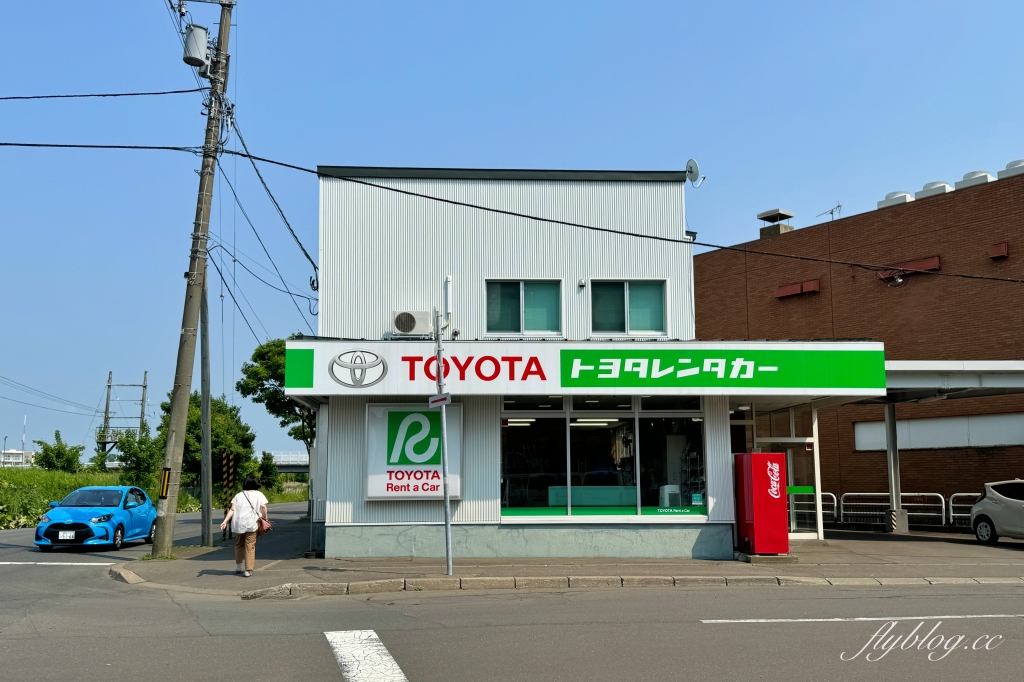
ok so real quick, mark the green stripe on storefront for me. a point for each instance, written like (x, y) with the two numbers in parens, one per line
(799, 489)
(298, 368)
(697, 510)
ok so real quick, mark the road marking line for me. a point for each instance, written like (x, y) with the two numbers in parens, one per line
(363, 657)
(861, 620)
(55, 563)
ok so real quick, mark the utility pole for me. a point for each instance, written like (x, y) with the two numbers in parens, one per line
(142, 412)
(167, 506)
(444, 444)
(206, 468)
(106, 415)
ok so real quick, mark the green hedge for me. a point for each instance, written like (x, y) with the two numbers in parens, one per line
(25, 494)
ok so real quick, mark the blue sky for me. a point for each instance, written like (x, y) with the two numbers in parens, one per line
(797, 105)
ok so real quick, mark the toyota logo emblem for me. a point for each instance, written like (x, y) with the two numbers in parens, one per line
(358, 368)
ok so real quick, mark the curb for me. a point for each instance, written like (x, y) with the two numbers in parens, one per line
(120, 573)
(592, 582)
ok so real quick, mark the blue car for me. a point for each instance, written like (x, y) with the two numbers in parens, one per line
(97, 515)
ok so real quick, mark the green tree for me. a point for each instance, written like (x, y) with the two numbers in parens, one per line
(263, 382)
(60, 456)
(229, 435)
(141, 455)
(99, 461)
(270, 477)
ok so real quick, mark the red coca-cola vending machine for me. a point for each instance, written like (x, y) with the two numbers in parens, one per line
(761, 513)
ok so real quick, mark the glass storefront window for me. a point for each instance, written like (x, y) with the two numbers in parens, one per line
(602, 457)
(665, 403)
(533, 466)
(672, 473)
(604, 403)
(541, 403)
(610, 465)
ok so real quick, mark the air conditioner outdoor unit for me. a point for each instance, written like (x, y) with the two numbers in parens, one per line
(412, 323)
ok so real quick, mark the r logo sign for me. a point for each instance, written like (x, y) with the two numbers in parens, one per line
(403, 452)
(414, 438)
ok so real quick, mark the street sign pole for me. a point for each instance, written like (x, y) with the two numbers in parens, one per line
(444, 443)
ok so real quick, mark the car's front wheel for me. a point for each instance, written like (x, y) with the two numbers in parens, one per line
(152, 532)
(985, 531)
(118, 539)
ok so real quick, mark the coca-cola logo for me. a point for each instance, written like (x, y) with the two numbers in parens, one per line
(775, 486)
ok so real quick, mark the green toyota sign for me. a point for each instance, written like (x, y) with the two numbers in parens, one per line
(745, 369)
(409, 368)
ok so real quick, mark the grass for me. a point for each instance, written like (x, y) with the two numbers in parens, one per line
(277, 498)
(25, 494)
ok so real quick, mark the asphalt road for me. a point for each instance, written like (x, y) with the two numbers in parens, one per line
(73, 622)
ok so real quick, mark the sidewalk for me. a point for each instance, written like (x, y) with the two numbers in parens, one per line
(843, 558)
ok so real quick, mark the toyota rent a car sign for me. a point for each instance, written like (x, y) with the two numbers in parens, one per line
(403, 450)
(560, 367)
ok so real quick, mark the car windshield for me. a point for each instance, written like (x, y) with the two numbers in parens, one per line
(92, 498)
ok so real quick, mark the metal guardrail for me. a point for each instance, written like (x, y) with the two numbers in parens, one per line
(803, 506)
(926, 508)
(962, 518)
(290, 458)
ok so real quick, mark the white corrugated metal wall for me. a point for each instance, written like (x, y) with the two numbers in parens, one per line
(381, 251)
(346, 471)
(718, 458)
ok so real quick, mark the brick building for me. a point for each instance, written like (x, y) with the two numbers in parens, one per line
(976, 229)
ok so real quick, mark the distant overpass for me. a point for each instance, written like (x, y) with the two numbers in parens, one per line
(291, 462)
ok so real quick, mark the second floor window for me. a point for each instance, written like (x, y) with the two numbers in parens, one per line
(633, 307)
(524, 307)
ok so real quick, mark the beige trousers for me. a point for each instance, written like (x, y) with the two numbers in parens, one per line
(245, 550)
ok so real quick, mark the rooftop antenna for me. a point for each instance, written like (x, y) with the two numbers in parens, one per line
(838, 208)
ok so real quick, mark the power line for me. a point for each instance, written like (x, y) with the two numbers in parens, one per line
(192, 150)
(41, 394)
(283, 291)
(232, 294)
(105, 94)
(739, 249)
(43, 407)
(314, 282)
(238, 253)
(245, 214)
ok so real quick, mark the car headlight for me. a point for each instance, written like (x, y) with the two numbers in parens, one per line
(44, 519)
(101, 519)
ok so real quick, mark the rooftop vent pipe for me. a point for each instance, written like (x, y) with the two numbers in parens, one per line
(1012, 168)
(974, 178)
(775, 216)
(933, 188)
(894, 198)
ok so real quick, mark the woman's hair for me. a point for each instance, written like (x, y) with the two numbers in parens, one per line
(251, 483)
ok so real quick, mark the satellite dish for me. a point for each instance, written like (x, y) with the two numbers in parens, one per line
(692, 171)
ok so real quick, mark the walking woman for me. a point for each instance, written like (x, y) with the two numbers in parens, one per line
(247, 508)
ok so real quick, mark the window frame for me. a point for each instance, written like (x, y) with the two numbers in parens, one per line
(629, 333)
(523, 333)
